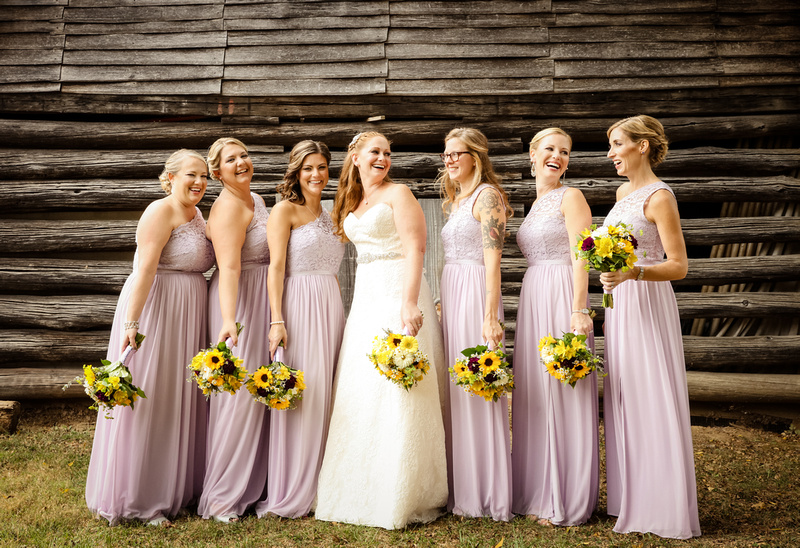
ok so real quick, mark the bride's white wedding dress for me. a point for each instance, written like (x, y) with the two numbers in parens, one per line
(384, 463)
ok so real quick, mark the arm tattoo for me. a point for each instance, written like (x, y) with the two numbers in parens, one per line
(489, 200)
(493, 233)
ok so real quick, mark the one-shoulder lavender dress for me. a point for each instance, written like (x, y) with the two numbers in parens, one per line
(148, 462)
(314, 316)
(238, 433)
(649, 457)
(479, 458)
(555, 462)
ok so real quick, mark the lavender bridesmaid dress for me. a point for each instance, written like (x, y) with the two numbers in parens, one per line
(148, 462)
(314, 316)
(555, 463)
(238, 433)
(649, 458)
(479, 460)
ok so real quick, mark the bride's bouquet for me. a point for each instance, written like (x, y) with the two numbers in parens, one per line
(607, 249)
(111, 385)
(277, 385)
(399, 359)
(483, 372)
(216, 369)
(569, 358)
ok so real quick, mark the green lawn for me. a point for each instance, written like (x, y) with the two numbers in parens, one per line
(747, 482)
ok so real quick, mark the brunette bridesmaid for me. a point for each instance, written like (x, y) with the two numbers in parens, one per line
(308, 320)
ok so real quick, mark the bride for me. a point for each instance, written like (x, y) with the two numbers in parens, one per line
(384, 463)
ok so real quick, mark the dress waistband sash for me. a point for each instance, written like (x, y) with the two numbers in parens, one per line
(464, 261)
(565, 262)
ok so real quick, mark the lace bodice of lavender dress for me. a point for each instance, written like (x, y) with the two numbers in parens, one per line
(187, 249)
(543, 235)
(314, 247)
(255, 250)
(630, 210)
(461, 234)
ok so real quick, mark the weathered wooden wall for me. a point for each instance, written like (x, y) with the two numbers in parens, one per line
(94, 95)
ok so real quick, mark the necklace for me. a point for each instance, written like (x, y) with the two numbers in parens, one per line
(366, 197)
(316, 215)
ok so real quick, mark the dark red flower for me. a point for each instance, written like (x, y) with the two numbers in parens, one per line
(587, 244)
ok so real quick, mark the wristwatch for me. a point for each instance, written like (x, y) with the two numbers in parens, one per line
(588, 311)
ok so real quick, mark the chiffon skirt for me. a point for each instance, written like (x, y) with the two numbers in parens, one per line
(314, 322)
(555, 458)
(238, 433)
(149, 461)
(649, 462)
(479, 458)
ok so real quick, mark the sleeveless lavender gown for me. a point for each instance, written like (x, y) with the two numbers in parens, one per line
(238, 432)
(479, 460)
(649, 458)
(148, 461)
(555, 462)
(314, 316)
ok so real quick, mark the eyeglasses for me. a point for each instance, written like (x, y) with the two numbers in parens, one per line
(454, 156)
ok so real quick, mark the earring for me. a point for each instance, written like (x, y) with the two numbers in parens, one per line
(533, 169)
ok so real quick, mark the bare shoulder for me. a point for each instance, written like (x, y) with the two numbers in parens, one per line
(574, 196)
(159, 211)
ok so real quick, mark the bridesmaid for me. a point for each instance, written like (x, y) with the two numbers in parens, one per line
(238, 433)
(304, 260)
(148, 463)
(555, 460)
(479, 450)
(649, 462)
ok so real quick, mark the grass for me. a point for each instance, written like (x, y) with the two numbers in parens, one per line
(747, 484)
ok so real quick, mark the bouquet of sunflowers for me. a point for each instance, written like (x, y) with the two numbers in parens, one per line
(111, 385)
(399, 359)
(216, 369)
(483, 372)
(277, 385)
(569, 358)
(607, 249)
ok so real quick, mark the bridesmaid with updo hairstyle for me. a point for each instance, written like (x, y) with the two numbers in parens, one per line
(308, 320)
(555, 458)
(238, 433)
(649, 457)
(147, 463)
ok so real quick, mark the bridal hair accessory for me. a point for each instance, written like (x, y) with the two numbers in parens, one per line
(355, 139)
(277, 385)
(483, 372)
(568, 359)
(216, 369)
(111, 384)
(397, 357)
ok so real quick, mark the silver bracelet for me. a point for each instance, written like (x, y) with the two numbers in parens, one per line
(275, 323)
(131, 325)
(640, 277)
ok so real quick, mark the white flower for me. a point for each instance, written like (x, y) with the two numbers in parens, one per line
(600, 232)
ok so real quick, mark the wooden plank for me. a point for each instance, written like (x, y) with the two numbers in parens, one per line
(475, 86)
(468, 36)
(31, 41)
(310, 71)
(62, 312)
(470, 69)
(756, 354)
(42, 73)
(583, 19)
(94, 58)
(30, 87)
(31, 13)
(169, 41)
(282, 54)
(30, 57)
(757, 79)
(738, 6)
(754, 65)
(293, 10)
(33, 345)
(461, 51)
(469, 7)
(652, 6)
(114, 3)
(140, 13)
(757, 32)
(65, 236)
(140, 73)
(640, 33)
(308, 36)
(36, 2)
(20, 27)
(743, 387)
(24, 383)
(303, 23)
(143, 27)
(724, 230)
(631, 84)
(355, 86)
(189, 87)
(608, 69)
(745, 19)
(445, 20)
(632, 50)
(63, 276)
(758, 49)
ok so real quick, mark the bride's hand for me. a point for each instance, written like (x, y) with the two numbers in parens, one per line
(412, 318)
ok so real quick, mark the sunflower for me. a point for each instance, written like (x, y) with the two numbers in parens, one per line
(489, 361)
(262, 377)
(409, 344)
(214, 358)
(394, 340)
